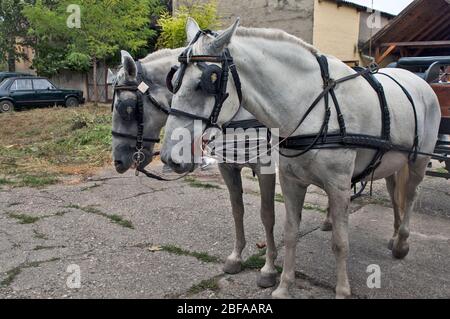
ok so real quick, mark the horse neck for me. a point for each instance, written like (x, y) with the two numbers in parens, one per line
(280, 79)
(156, 69)
(243, 115)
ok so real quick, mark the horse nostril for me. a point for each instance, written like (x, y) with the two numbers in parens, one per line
(118, 163)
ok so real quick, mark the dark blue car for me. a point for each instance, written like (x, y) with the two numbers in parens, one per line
(31, 91)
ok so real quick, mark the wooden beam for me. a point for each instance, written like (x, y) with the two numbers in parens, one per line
(443, 26)
(433, 24)
(419, 44)
(386, 53)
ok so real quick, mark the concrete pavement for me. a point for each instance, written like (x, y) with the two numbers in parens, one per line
(136, 238)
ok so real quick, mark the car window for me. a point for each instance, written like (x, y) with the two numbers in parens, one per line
(42, 84)
(20, 85)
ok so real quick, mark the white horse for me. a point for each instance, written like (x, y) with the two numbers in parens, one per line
(155, 68)
(280, 79)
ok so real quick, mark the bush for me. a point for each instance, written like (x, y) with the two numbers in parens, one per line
(173, 34)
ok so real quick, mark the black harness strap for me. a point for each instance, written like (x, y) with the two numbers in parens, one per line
(415, 149)
(382, 144)
(323, 140)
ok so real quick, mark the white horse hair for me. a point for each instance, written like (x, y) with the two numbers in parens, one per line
(280, 79)
(156, 66)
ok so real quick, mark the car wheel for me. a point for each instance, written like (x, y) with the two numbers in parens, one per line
(72, 102)
(6, 106)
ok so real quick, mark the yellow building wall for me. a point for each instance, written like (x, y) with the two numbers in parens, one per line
(336, 30)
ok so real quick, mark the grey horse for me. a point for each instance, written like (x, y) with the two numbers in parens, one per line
(155, 67)
(281, 78)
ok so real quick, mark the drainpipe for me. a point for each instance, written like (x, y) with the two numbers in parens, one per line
(366, 57)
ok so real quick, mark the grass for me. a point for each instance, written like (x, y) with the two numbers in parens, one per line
(13, 273)
(441, 170)
(198, 184)
(202, 256)
(40, 146)
(208, 284)
(23, 218)
(114, 218)
(257, 261)
(279, 198)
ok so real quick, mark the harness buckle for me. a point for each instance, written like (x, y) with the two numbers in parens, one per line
(373, 68)
(329, 83)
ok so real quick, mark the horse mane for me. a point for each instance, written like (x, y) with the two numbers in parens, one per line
(160, 54)
(276, 35)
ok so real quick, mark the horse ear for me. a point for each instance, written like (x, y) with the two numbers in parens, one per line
(192, 29)
(128, 63)
(222, 41)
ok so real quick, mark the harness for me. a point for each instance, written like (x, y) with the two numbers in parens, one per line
(131, 109)
(214, 79)
(304, 143)
(323, 140)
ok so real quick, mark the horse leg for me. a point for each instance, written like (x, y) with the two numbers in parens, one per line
(408, 181)
(294, 195)
(327, 224)
(232, 177)
(268, 275)
(339, 209)
(391, 185)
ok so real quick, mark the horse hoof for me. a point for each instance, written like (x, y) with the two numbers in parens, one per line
(266, 280)
(343, 293)
(232, 267)
(400, 252)
(326, 226)
(281, 293)
(391, 244)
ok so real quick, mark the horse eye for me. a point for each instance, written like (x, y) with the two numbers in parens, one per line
(198, 87)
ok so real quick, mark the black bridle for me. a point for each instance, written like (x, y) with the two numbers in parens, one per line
(135, 109)
(216, 88)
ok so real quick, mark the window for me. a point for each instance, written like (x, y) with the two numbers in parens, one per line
(42, 84)
(22, 85)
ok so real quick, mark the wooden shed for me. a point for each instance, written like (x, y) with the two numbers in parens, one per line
(422, 29)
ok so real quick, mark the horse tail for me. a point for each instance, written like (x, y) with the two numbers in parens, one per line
(401, 183)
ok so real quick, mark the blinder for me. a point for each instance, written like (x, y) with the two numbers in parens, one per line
(128, 108)
(211, 77)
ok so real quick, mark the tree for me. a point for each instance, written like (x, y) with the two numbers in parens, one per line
(13, 31)
(173, 34)
(106, 27)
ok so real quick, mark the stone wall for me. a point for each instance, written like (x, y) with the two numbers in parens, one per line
(292, 16)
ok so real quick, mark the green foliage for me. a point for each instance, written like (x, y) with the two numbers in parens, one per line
(173, 33)
(13, 31)
(106, 27)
